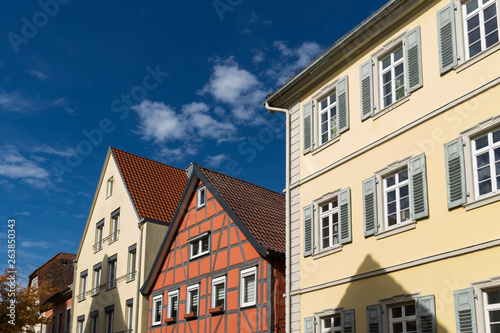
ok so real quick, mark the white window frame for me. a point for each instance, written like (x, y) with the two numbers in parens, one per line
(199, 241)
(391, 69)
(490, 150)
(132, 258)
(405, 318)
(109, 321)
(320, 316)
(397, 300)
(171, 295)
(99, 234)
(83, 286)
(201, 197)
(243, 275)
(215, 283)
(330, 213)
(112, 274)
(81, 327)
(189, 299)
(328, 109)
(480, 289)
(466, 16)
(386, 189)
(115, 228)
(97, 280)
(154, 314)
(326, 91)
(129, 317)
(109, 187)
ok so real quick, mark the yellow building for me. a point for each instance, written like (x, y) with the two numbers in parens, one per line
(393, 174)
(135, 200)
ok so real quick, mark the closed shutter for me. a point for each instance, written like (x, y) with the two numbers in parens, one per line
(374, 318)
(465, 310)
(455, 173)
(365, 73)
(418, 178)
(347, 320)
(309, 325)
(447, 38)
(308, 230)
(249, 281)
(413, 60)
(426, 314)
(370, 206)
(345, 216)
(308, 126)
(343, 104)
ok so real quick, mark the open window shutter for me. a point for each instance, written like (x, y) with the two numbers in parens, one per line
(365, 74)
(345, 216)
(426, 314)
(413, 60)
(370, 206)
(343, 104)
(308, 230)
(446, 38)
(308, 127)
(347, 320)
(465, 310)
(418, 178)
(374, 318)
(455, 174)
(309, 325)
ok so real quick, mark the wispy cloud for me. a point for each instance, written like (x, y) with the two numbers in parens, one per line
(259, 56)
(15, 101)
(39, 75)
(51, 151)
(39, 244)
(216, 160)
(22, 214)
(14, 165)
(169, 155)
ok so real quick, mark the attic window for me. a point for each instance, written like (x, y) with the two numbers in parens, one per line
(201, 197)
(199, 245)
(109, 188)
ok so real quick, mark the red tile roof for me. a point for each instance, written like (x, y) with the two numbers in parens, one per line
(261, 210)
(155, 188)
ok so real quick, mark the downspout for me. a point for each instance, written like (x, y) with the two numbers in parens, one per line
(140, 225)
(272, 110)
(73, 303)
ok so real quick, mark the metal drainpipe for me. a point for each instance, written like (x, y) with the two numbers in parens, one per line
(73, 303)
(140, 225)
(272, 110)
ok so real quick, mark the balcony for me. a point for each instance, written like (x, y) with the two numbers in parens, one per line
(97, 246)
(106, 286)
(111, 238)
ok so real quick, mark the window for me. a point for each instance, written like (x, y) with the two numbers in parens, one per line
(331, 324)
(248, 286)
(59, 321)
(331, 320)
(486, 152)
(115, 226)
(83, 284)
(492, 310)
(34, 282)
(109, 318)
(480, 25)
(94, 321)
(157, 309)
(329, 216)
(97, 279)
(219, 292)
(98, 236)
(479, 306)
(192, 299)
(403, 319)
(112, 271)
(328, 118)
(131, 262)
(80, 324)
(199, 245)
(67, 320)
(109, 187)
(202, 196)
(396, 198)
(128, 315)
(53, 325)
(392, 77)
(173, 304)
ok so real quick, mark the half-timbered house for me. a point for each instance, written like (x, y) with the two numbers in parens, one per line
(221, 265)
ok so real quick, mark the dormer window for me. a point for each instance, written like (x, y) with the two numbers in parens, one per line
(201, 197)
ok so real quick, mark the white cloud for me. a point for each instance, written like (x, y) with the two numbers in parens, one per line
(22, 213)
(215, 161)
(39, 75)
(291, 59)
(17, 102)
(14, 165)
(49, 150)
(259, 56)
(168, 155)
(40, 244)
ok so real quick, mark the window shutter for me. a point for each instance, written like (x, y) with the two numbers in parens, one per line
(413, 60)
(370, 206)
(308, 127)
(455, 175)
(418, 179)
(365, 74)
(446, 38)
(347, 320)
(374, 318)
(309, 325)
(308, 230)
(343, 104)
(345, 216)
(465, 310)
(426, 314)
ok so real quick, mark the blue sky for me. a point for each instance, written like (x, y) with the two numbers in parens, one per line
(174, 81)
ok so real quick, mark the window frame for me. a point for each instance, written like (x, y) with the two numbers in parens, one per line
(199, 240)
(480, 288)
(154, 313)
(99, 236)
(172, 294)
(114, 227)
(189, 299)
(397, 300)
(201, 197)
(83, 285)
(329, 213)
(129, 307)
(132, 262)
(80, 324)
(96, 283)
(215, 282)
(109, 325)
(320, 316)
(112, 268)
(244, 274)
(325, 92)
(397, 185)
(109, 187)
(94, 322)
(67, 319)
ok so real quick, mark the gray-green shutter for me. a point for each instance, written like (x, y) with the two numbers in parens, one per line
(366, 83)
(308, 126)
(447, 41)
(426, 314)
(308, 230)
(374, 318)
(347, 320)
(343, 104)
(345, 216)
(370, 206)
(309, 326)
(465, 310)
(413, 60)
(455, 173)
(418, 179)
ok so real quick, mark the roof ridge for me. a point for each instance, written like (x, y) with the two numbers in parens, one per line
(53, 257)
(145, 158)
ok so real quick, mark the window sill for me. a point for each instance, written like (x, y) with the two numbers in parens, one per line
(325, 145)
(190, 315)
(327, 252)
(482, 201)
(396, 230)
(478, 57)
(247, 305)
(170, 320)
(216, 310)
(389, 108)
